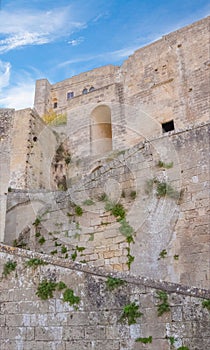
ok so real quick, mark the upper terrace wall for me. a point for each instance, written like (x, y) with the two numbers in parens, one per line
(170, 76)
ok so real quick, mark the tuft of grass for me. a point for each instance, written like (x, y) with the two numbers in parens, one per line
(88, 202)
(163, 306)
(61, 285)
(164, 189)
(9, 266)
(112, 283)
(42, 240)
(144, 340)
(116, 209)
(53, 252)
(127, 230)
(37, 221)
(133, 194)
(103, 197)
(183, 348)
(64, 249)
(33, 262)
(131, 313)
(161, 164)
(176, 257)
(206, 304)
(37, 234)
(78, 210)
(163, 254)
(130, 258)
(74, 255)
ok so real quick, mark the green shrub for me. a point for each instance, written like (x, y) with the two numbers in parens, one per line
(61, 285)
(129, 257)
(163, 254)
(164, 189)
(164, 305)
(68, 296)
(9, 266)
(74, 255)
(112, 283)
(37, 221)
(144, 340)
(45, 289)
(78, 210)
(64, 249)
(133, 194)
(35, 263)
(42, 240)
(206, 304)
(126, 230)
(53, 252)
(183, 348)
(116, 209)
(131, 313)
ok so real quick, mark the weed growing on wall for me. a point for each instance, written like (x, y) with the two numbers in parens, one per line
(163, 306)
(131, 313)
(9, 266)
(42, 240)
(116, 209)
(161, 164)
(162, 254)
(35, 263)
(78, 210)
(183, 348)
(88, 202)
(69, 297)
(163, 189)
(37, 222)
(206, 304)
(147, 340)
(112, 283)
(133, 194)
(61, 285)
(45, 289)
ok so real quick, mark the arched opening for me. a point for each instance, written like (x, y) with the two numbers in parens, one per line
(101, 130)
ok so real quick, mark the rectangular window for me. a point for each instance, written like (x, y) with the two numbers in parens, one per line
(70, 95)
(55, 105)
(168, 126)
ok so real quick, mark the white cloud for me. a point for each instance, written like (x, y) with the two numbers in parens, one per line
(16, 96)
(35, 27)
(5, 68)
(75, 42)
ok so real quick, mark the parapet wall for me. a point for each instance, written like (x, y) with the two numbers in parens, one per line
(28, 322)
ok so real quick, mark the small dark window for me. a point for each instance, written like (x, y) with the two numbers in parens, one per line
(70, 95)
(34, 138)
(168, 126)
(84, 91)
(55, 105)
(91, 89)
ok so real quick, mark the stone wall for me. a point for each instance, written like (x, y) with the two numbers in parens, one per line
(6, 121)
(28, 322)
(170, 232)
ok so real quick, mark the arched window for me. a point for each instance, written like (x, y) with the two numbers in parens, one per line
(84, 91)
(91, 89)
(101, 130)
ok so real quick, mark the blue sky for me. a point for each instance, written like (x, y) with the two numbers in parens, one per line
(58, 39)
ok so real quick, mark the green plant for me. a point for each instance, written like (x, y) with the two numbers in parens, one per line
(164, 305)
(37, 234)
(123, 194)
(68, 159)
(18, 244)
(9, 266)
(112, 283)
(68, 296)
(61, 285)
(33, 262)
(45, 289)
(80, 249)
(163, 189)
(66, 256)
(64, 249)
(133, 194)
(206, 304)
(103, 197)
(91, 237)
(131, 313)
(176, 257)
(83, 261)
(57, 244)
(74, 255)
(144, 340)
(126, 230)
(37, 221)
(53, 252)
(161, 164)
(78, 210)
(130, 258)
(163, 254)
(42, 240)
(171, 339)
(183, 348)
(116, 209)
(88, 202)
